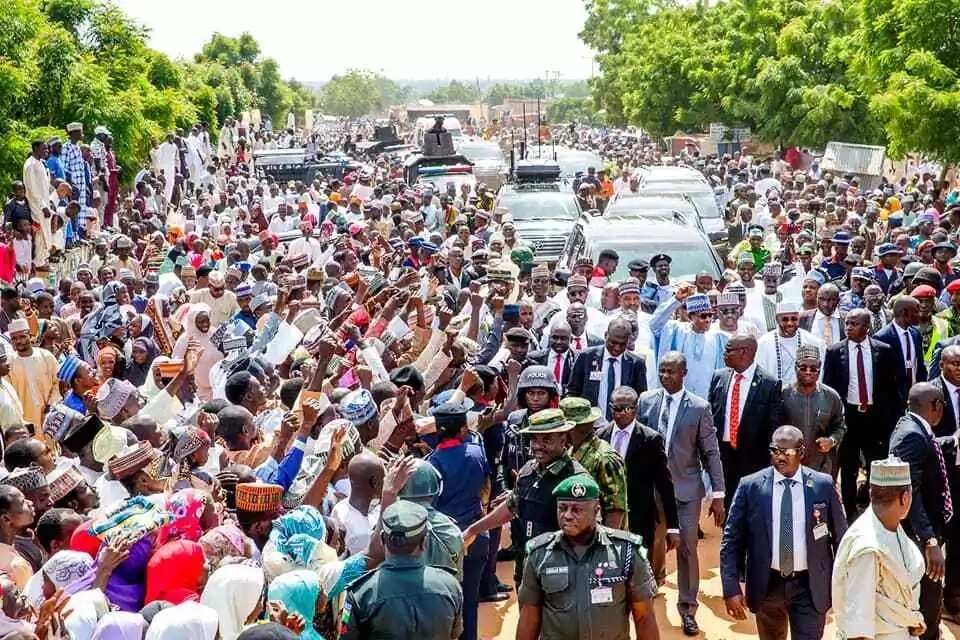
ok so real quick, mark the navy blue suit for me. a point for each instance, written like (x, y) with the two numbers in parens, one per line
(890, 336)
(633, 373)
(748, 542)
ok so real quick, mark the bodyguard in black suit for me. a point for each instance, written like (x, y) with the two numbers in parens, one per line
(903, 337)
(744, 426)
(559, 358)
(914, 442)
(948, 383)
(645, 459)
(599, 370)
(863, 371)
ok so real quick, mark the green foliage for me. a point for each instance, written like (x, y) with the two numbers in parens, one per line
(455, 92)
(86, 60)
(795, 71)
(573, 110)
(354, 94)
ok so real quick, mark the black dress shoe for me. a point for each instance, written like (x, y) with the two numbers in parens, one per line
(689, 624)
(494, 597)
(504, 588)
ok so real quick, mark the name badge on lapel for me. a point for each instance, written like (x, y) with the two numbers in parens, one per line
(596, 376)
(820, 529)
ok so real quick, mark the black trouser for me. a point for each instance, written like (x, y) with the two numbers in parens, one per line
(789, 603)
(867, 439)
(490, 582)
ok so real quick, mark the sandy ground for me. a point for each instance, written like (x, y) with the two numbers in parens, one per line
(499, 620)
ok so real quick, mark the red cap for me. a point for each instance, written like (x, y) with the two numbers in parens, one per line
(924, 291)
(953, 287)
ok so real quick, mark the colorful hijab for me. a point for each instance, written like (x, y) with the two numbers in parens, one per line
(298, 591)
(186, 506)
(175, 572)
(298, 532)
(225, 541)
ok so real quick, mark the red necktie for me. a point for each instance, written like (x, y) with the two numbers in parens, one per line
(556, 367)
(579, 343)
(862, 379)
(735, 409)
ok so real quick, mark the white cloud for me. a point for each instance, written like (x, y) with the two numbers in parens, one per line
(412, 40)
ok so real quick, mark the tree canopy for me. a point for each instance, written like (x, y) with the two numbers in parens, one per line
(87, 61)
(795, 71)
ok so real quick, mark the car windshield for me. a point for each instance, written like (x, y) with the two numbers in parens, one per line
(704, 200)
(546, 205)
(481, 152)
(688, 260)
(573, 161)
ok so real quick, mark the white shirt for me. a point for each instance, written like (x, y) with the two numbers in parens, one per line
(552, 363)
(744, 390)
(784, 367)
(621, 443)
(853, 386)
(799, 521)
(907, 346)
(818, 326)
(602, 399)
(675, 399)
(356, 526)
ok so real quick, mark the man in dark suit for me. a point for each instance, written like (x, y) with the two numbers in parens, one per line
(784, 525)
(747, 407)
(559, 357)
(826, 321)
(737, 230)
(914, 442)
(645, 458)
(938, 349)
(948, 383)
(863, 371)
(685, 422)
(903, 337)
(597, 371)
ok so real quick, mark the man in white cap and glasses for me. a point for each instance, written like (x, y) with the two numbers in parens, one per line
(877, 569)
(777, 349)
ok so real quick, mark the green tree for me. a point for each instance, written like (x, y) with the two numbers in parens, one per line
(352, 94)
(455, 92)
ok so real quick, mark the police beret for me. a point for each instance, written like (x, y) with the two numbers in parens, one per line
(404, 519)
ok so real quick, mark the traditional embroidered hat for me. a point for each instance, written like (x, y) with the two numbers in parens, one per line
(630, 285)
(259, 497)
(68, 368)
(26, 478)
(358, 407)
(787, 307)
(130, 460)
(808, 352)
(698, 303)
(728, 299)
(62, 481)
(890, 472)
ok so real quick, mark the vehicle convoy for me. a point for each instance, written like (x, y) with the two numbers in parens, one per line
(296, 164)
(688, 248)
(690, 182)
(489, 164)
(438, 164)
(643, 205)
(542, 206)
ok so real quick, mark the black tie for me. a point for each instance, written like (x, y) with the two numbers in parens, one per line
(611, 382)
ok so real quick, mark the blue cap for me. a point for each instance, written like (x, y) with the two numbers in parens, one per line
(888, 248)
(428, 246)
(698, 303)
(511, 311)
(863, 273)
(68, 369)
(416, 241)
(244, 266)
(243, 290)
(817, 276)
(842, 237)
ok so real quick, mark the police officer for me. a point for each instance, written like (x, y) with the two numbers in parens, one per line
(404, 597)
(532, 501)
(585, 580)
(443, 547)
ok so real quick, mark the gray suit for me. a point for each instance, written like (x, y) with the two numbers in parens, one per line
(692, 445)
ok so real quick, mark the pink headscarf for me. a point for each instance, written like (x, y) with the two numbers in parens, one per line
(187, 506)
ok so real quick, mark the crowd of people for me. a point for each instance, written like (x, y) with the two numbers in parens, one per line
(272, 410)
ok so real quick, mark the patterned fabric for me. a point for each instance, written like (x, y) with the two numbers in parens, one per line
(186, 507)
(76, 171)
(606, 466)
(298, 532)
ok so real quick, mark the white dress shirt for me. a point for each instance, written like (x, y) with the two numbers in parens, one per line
(853, 386)
(676, 398)
(818, 326)
(799, 521)
(907, 346)
(621, 442)
(744, 390)
(602, 399)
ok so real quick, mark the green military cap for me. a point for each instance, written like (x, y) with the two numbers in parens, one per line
(521, 256)
(404, 519)
(579, 411)
(578, 487)
(547, 421)
(424, 482)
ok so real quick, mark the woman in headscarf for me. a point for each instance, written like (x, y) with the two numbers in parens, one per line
(141, 326)
(103, 321)
(191, 452)
(85, 611)
(297, 541)
(300, 593)
(108, 358)
(62, 569)
(153, 383)
(120, 625)
(176, 572)
(193, 513)
(268, 631)
(142, 355)
(236, 593)
(225, 541)
(187, 621)
(196, 327)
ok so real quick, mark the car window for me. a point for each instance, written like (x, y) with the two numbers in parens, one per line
(688, 259)
(542, 205)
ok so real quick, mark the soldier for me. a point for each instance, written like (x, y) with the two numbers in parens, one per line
(404, 597)
(444, 545)
(585, 580)
(532, 501)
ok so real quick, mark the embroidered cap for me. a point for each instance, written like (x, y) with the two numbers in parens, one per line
(259, 497)
(62, 481)
(890, 472)
(698, 303)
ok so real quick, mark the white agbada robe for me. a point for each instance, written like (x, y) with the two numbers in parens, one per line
(196, 163)
(783, 367)
(36, 179)
(225, 145)
(165, 159)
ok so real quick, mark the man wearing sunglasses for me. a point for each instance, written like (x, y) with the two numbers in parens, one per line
(785, 523)
(777, 349)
